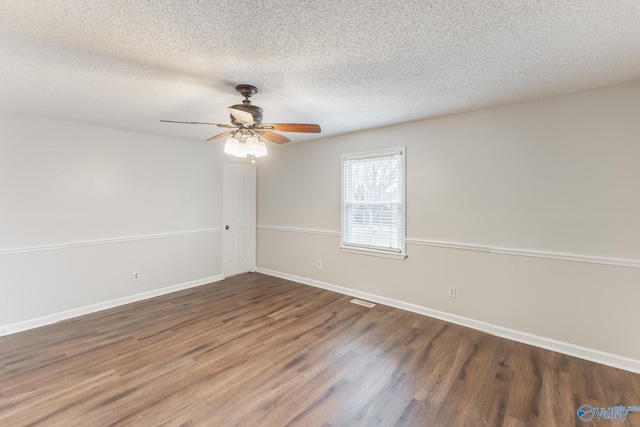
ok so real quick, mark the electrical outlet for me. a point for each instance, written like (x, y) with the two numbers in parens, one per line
(136, 275)
(452, 292)
(319, 265)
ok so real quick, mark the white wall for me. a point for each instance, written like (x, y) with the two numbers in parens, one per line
(530, 210)
(83, 207)
(538, 205)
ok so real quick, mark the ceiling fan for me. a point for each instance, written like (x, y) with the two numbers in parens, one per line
(246, 127)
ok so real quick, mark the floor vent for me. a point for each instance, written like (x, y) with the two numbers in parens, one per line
(363, 303)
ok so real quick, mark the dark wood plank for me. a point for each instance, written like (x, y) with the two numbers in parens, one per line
(259, 350)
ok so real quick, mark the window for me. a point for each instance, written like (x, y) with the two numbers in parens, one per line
(373, 196)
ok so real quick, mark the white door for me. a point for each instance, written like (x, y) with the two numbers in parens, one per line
(239, 219)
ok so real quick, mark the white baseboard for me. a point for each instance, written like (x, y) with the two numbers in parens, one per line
(57, 317)
(592, 355)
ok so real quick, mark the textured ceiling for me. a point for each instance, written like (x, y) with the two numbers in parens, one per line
(347, 65)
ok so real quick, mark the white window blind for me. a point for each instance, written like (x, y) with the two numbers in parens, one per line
(373, 201)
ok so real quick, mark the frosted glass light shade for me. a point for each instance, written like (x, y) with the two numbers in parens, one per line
(262, 149)
(231, 146)
(242, 150)
(253, 145)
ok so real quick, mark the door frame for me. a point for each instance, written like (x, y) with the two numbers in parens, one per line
(251, 249)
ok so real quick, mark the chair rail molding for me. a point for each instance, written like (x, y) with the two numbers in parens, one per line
(80, 243)
(560, 256)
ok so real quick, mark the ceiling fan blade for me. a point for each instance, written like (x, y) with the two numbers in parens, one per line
(241, 116)
(221, 135)
(198, 123)
(293, 127)
(274, 137)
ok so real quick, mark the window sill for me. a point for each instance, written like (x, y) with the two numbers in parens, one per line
(371, 252)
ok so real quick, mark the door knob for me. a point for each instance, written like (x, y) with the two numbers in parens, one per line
(226, 227)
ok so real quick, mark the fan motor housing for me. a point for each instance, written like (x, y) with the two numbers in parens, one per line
(254, 110)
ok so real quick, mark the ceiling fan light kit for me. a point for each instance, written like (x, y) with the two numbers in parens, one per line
(243, 146)
(247, 128)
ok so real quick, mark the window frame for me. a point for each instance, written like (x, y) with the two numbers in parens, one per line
(355, 249)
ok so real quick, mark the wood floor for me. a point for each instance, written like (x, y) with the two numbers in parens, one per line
(255, 350)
